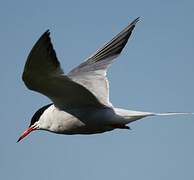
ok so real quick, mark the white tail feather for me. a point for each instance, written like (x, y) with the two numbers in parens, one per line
(131, 116)
(173, 113)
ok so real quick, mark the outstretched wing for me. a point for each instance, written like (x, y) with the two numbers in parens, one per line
(42, 73)
(92, 72)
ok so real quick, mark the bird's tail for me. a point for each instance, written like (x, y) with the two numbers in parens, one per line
(131, 116)
(172, 113)
(147, 114)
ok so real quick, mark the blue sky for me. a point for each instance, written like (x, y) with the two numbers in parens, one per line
(154, 73)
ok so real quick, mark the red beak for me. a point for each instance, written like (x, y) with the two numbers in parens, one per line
(25, 133)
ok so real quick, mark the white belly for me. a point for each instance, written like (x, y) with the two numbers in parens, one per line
(85, 121)
(59, 121)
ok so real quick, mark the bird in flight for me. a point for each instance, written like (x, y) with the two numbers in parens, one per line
(80, 99)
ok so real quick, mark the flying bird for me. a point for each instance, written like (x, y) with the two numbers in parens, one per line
(80, 99)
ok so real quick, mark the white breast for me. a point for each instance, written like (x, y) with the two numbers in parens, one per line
(58, 121)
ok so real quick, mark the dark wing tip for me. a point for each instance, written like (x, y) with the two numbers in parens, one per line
(111, 49)
(116, 45)
(135, 21)
(132, 25)
(47, 33)
(45, 36)
(49, 46)
(41, 54)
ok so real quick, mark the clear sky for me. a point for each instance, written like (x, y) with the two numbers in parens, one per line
(154, 73)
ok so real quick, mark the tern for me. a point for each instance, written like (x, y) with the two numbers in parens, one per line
(80, 99)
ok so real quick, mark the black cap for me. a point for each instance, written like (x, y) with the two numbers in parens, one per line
(38, 113)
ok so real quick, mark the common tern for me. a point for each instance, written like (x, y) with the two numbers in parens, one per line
(81, 98)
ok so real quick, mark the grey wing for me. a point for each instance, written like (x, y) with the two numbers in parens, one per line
(42, 73)
(92, 72)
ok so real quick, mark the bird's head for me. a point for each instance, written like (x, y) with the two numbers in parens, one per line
(35, 122)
